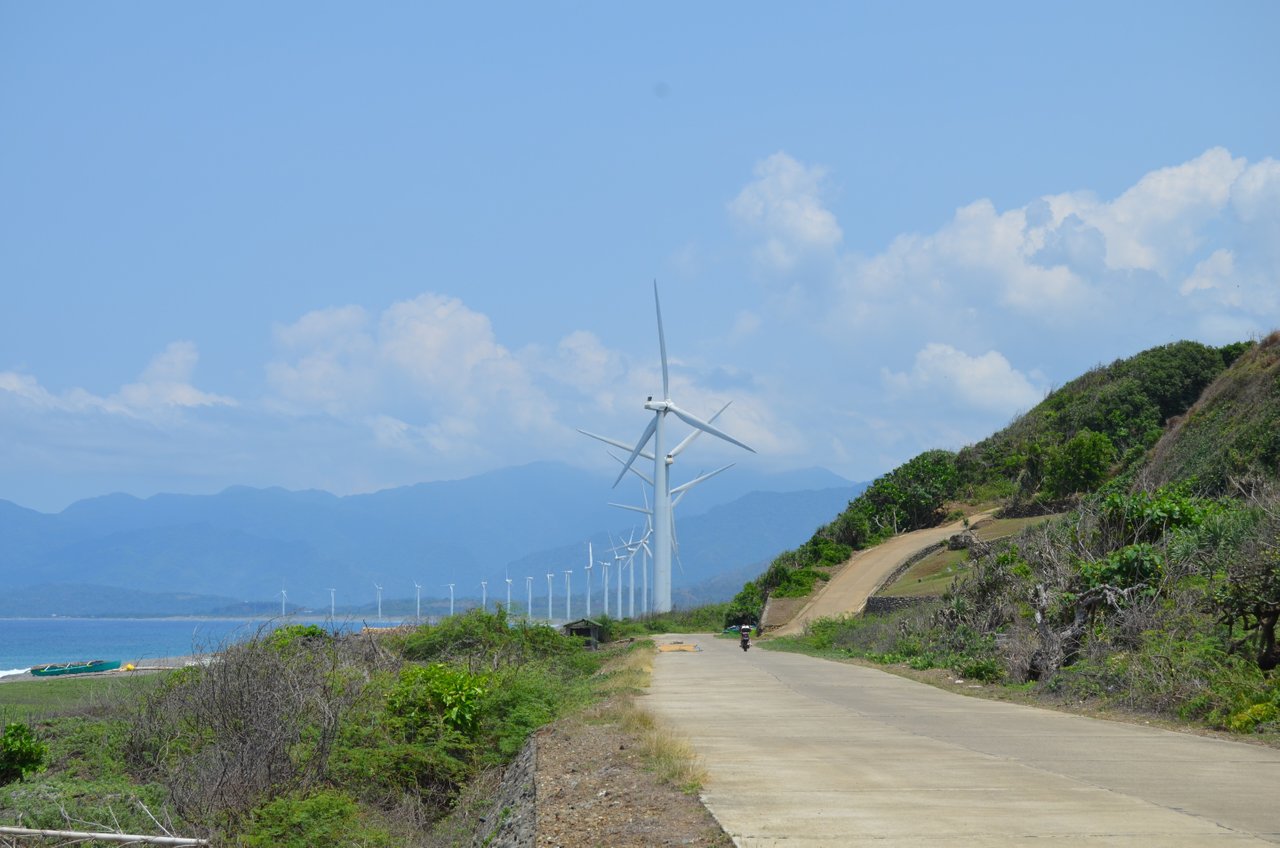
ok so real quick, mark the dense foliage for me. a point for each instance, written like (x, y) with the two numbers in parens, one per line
(299, 737)
(20, 752)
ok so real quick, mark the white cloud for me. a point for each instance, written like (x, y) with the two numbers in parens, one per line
(163, 387)
(1212, 273)
(987, 382)
(783, 207)
(426, 376)
(166, 382)
(1160, 220)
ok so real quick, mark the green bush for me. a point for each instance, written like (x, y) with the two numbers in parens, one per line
(424, 693)
(327, 817)
(21, 753)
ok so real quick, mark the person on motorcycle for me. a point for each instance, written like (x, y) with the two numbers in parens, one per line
(745, 640)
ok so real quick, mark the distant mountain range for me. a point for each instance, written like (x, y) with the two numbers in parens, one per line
(232, 552)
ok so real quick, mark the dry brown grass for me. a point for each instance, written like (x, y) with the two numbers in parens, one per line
(665, 753)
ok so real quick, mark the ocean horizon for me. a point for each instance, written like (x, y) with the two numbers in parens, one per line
(28, 642)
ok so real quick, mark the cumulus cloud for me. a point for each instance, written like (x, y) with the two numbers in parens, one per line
(163, 387)
(783, 208)
(987, 382)
(432, 360)
(1196, 237)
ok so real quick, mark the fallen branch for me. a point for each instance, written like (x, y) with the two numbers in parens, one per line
(104, 837)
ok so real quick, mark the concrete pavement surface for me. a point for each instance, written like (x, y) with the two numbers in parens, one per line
(807, 752)
(849, 589)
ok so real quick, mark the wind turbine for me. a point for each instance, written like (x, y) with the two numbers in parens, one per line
(283, 595)
(484, 595)
(379, 588)
(662, 536)
(589, 565)
(568, 597)
(451, 600)
(550, 576)
(528, 602)
(508, 579)
(331, 591)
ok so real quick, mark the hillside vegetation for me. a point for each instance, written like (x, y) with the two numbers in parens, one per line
(1158, 589)
(297, 737)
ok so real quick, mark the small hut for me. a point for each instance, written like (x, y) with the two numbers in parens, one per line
(586, 630)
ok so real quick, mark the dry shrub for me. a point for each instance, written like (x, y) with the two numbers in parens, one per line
(257, 720)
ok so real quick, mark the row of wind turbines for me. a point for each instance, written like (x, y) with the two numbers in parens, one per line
(659, 517)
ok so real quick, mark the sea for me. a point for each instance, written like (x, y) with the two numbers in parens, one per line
(27, 642)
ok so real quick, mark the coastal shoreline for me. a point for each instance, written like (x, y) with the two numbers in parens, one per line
(144, 665)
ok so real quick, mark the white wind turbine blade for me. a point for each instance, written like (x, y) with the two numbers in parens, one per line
(662, 344)
(644, 440)
(688, 440)
(632, 508)
(694, 421)
(634, 470)
(617, 444)
(680, 490)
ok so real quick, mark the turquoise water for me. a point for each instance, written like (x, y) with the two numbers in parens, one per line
(25, 642)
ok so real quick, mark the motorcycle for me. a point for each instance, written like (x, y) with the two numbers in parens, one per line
(745, 641)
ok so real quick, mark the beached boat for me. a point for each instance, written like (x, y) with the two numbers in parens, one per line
(53, 669)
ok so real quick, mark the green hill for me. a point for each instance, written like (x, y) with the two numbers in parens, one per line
(1158, 588)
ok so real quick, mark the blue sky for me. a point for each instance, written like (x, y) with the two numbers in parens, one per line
(352, 246)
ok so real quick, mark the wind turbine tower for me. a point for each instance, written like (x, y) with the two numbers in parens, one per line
(550, 577)
(331, 616)
(589, 564)
(379, 588)
(283, 595)
(528, 601)
(484, 595)
(662, 538)
(417, 590)
(451, 600)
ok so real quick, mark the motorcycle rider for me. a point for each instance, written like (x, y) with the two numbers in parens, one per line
(745, 638)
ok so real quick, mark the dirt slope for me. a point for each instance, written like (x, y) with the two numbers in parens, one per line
(849, 589)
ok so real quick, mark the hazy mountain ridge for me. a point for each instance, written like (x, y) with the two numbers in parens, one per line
(247, 544)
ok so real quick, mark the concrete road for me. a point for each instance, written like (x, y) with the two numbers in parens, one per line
(848, 591)
(805, 752)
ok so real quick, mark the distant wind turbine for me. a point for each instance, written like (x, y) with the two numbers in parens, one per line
(283, 595)
(549, 579)
(656, 431)
(484, 595)
(331, 607)
(417, 589)
(451, 600)
(528, 601)
(508, 579)
(379, 588)
(568, 597)
(589, 564)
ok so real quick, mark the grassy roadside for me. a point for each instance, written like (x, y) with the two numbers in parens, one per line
(664, 752)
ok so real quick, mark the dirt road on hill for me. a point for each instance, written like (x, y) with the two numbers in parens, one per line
(803, 752)
(848, 590)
